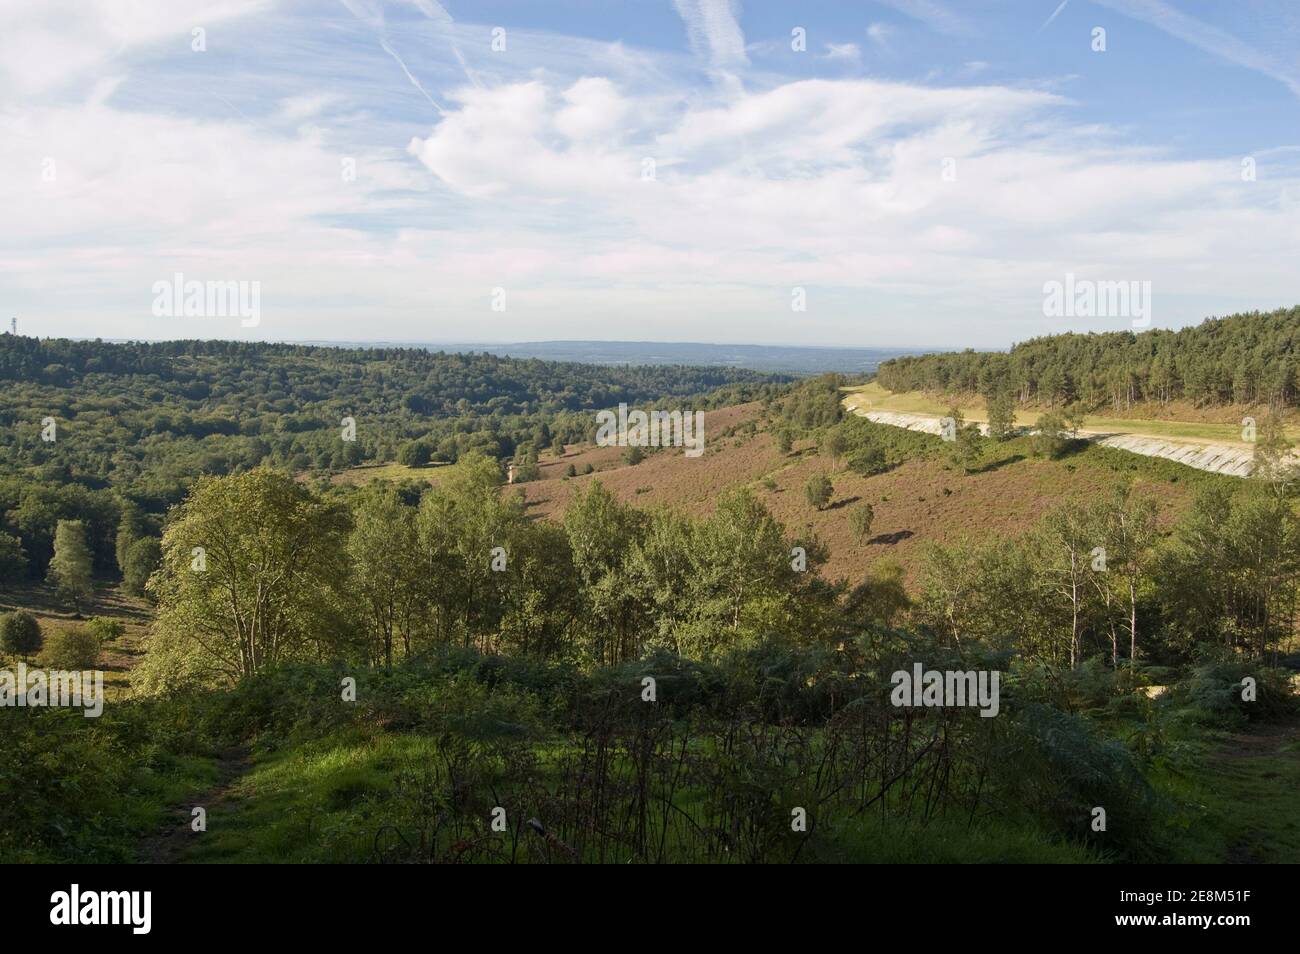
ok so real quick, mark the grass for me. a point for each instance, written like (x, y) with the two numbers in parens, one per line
(117, 656)
(310, 802)
(1241, 797)
(395, 472)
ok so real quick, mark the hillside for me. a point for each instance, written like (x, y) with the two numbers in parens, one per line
(1247, 360)
(922, 501)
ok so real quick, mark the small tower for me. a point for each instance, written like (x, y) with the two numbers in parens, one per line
(510, 472)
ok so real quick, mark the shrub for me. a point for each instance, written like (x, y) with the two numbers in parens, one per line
(868, 460)
(20, 633)
(76, 648)
(860, 519)
(105, 629)
(1212, 693)
(415, 454)
(819, 490)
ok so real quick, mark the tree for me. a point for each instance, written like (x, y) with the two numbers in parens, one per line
(131, 526)
(1132, 534)
(784, 439)
(860, 518)
(1274, 460)
(1048, 441)
(835, 444)
(968, 447)
(1002, 414)
(142, 559)
(251, 574)
(1067, 538)
(460, 524)
(818, 491)
(526, 466)
(20, 633)
(13, 561)
(384, 553)
(881, 598)
(633, 455)
(601, 532)
(70, 567)
(415, 454)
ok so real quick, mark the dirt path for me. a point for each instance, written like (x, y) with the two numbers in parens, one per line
(170, 841)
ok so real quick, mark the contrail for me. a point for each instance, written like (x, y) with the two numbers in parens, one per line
(1054, 15)
(415, 82)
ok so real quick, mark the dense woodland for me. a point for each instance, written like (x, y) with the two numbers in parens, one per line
(1243, 359)
(134, 425)
(500, 660)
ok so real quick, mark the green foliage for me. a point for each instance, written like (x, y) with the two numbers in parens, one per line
(20, 633)
(860, 519)
(1001, 406)
(13, 561)
(1059, 764)
(74, 649)
(142, 558)
(70, 568)
(1241, 359)
(1215, 693)
(818, 491)
(415, 454)
(1049, 441)
(105, 628)
(248, 578)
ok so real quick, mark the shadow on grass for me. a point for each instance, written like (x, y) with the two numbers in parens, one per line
(892, 538)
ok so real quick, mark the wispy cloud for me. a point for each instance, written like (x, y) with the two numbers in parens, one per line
(1283, 66)
(937, 16)
(713, 30)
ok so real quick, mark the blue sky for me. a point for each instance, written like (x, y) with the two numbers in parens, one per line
(645, 170)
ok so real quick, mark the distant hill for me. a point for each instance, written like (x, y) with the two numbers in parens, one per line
(783, 359)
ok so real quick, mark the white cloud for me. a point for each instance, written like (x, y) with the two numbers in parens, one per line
(843, 51)
(48, 44)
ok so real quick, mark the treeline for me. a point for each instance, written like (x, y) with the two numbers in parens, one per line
(1241, 359)
(1101, 577)
(258, 569)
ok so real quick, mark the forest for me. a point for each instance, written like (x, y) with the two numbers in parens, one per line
(1244, 359)
(424, 670)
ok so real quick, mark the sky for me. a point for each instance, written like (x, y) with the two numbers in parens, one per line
(901, 173)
